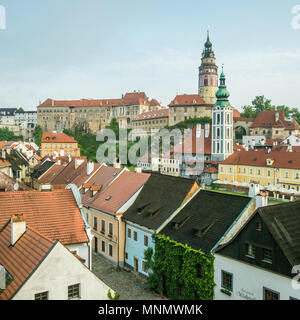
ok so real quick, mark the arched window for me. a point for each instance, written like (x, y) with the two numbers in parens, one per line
(218, 133)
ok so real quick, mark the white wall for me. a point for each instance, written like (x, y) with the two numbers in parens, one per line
(82, 250)
(59, 270)
(249, 281)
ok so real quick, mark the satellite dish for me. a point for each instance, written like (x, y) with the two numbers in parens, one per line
(16, 186)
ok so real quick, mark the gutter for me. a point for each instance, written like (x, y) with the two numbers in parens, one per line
(232, 225)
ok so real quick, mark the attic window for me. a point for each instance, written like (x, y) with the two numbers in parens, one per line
(290, 161)
(155, 213)
(177, 225)
(108, 198)
(201, 232)
(254, 159)
(143, 209)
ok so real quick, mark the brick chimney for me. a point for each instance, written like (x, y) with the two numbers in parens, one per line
(262, 199)
(18, 227)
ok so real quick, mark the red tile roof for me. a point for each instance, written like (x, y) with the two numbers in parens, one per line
(50, 174)
(267, 119)
(23, 257)
(55, 137)
(103, 177)
(187, 100)
(55, 214)
(132, 98)
(258, 158)
(120, 191)
(156, 114)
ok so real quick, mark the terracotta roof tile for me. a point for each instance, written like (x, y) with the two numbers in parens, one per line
(55, 214)
(187, 100)
(50, 174)
(120, 191)
(267, 119)
(54, 137)
(23, 257)
(258, 158)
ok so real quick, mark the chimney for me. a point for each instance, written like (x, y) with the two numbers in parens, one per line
(262, 199)
(276, 116)
(198, 131)
(89, 167)
(289, 148)
(18, 227)
(253, 189)
(207, 129)
(138, 170)
(2, 277)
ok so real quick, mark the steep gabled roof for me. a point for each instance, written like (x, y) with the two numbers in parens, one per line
(120, 191)
(50, 174)
(283, 222)
(159, 198)
(21, 259)
(187, 100)
(267, 119)
(55, 137)
(55, 214)
(205, 219)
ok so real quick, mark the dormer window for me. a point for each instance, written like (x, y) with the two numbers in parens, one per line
(108, 198)
(269, 162)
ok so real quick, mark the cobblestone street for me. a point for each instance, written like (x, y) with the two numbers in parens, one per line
(129, 285)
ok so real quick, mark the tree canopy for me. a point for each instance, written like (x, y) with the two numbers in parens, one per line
(7, 135)
(261, 103)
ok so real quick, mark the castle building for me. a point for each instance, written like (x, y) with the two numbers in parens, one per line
(208, 74)
(222, 124)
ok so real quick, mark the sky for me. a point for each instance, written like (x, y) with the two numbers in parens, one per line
(73, 49)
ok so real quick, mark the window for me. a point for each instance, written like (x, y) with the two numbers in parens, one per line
(227, 280)
(144, 266)
(73, 291)
(135, 236)
(146, 241)
(41, 296)
(95, 223)
(103, 226)
(270, 294)
(258, 226)
(103, 246)
(250, 250)
(267, 255)
(129, 233)
(110, 250)
(110, 229)
(126, 255)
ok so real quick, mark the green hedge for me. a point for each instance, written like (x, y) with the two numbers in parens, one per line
(179, 271)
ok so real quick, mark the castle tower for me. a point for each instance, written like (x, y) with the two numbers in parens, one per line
(222, 124)
(208, 74)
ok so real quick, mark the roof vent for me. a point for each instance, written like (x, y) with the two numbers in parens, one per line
(108, 198)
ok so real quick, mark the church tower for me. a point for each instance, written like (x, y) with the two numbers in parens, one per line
(208, 74)
(222, 124)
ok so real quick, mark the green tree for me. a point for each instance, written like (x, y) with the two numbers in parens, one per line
(248, 112)
(37, 135)
(21, 110)
(114, 125)
(7, 135)
(260, 103)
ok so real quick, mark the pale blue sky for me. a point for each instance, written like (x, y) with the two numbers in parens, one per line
(72, 49)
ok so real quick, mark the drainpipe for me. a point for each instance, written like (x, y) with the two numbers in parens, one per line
(118, 241)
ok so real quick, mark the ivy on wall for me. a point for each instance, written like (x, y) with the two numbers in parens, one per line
(178, 271)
